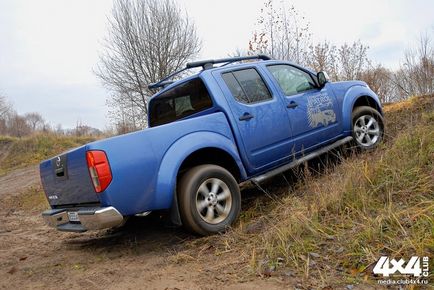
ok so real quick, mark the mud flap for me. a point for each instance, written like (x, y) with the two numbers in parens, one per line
(175, 217)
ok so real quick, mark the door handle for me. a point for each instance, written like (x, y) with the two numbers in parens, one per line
(245, 117)
(292, 105)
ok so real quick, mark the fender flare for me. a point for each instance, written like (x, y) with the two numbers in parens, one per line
(351, 96)
(179, 151)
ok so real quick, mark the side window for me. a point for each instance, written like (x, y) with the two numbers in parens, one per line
(247, 86)
(291, 80)
(181, 101)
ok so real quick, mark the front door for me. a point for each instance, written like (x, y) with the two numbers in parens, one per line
(313, 113)
(260, 117)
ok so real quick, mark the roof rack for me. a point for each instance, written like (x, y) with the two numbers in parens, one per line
(205, 64)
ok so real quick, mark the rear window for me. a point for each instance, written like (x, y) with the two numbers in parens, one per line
(181, 101)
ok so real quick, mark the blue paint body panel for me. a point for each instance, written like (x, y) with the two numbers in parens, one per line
(75, 186)
(145, 163)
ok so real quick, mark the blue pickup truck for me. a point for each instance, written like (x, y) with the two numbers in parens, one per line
(242, 119)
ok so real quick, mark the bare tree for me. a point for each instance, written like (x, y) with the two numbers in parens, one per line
(5, 107)
(147, 40)
(345, 62)
(82, 129)
(3, 127)
(353, 60)
(323, 57)
(416, 75)
(380, 80)
(281, 33)
(35, 121)
(17, 126)
(58, 129)
(284, 34)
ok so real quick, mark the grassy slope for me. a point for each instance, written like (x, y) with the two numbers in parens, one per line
(21, 152)
(331, 228)
(324, 229)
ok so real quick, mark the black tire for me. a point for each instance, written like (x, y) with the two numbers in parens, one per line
(223, 210)
(367, 127)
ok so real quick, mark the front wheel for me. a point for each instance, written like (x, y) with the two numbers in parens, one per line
(368, 127)
(209, 199)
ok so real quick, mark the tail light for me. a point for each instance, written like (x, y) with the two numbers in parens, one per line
(99, 169)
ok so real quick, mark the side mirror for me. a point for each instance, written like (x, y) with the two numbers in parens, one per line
(323, 78)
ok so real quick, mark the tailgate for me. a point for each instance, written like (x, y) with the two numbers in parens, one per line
(66, 180)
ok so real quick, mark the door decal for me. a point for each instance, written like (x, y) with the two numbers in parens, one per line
(320, 110)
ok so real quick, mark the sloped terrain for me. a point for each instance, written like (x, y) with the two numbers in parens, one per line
(322, 226)
(346, 210)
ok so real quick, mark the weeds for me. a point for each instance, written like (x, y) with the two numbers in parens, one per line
(337, 225)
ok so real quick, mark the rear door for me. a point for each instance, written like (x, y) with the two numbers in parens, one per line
(313, 113)
(260, 117)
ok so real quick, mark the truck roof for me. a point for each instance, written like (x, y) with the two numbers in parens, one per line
(206, 65)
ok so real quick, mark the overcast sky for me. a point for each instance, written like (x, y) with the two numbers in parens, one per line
(48, 48)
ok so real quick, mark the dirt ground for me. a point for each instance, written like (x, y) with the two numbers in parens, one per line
(145, 254)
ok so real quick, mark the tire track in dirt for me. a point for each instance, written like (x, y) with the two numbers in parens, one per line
(19, 180)
(141, 255)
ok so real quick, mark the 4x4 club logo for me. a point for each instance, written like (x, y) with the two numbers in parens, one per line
(387, 267)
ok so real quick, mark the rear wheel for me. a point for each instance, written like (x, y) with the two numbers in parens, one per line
(209, 199)
(368, 127)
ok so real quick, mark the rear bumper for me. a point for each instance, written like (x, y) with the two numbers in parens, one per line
(83, 219)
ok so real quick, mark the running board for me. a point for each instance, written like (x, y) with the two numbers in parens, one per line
(295, 163)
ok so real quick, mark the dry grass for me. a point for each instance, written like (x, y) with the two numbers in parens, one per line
(32, 199)
(331, 228)
(21, 152)
(326, 228)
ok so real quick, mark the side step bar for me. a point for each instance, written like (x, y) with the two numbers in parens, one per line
(297, 162)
